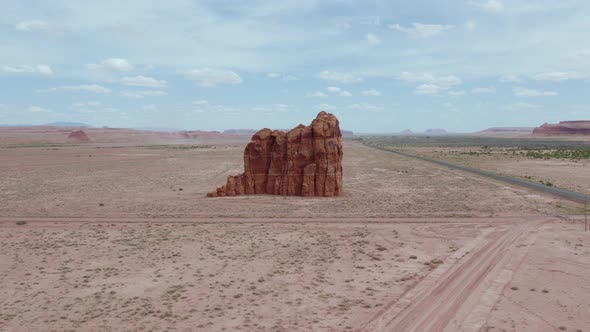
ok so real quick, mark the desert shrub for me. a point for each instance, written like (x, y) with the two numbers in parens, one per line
(21, 222)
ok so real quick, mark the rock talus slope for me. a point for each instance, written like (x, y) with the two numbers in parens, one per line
(305, 161)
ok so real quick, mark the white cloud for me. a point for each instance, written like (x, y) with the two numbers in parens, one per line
(444, 82)
(91, 88)
(523, 106)
(211, 77)
(470, 26)
(509, 78)
(38, 109)
(371, 93)
(339, 91)
(83, 104)
(367, 107)
(117, 64)
(338, 77)
(493, 6)
(150, 108)
(143, 93)
(200, 102)
(420, 30)
(283, 77)
(317, 94)
(38, 69)
(428, 89)
(582, 53)
(32, 26)
(373, 40)
(456, 93)
(557, 76)
(483, 90)
(144, 81)
(523, 92)
(114, 64)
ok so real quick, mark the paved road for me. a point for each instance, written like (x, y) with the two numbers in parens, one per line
(569, 195)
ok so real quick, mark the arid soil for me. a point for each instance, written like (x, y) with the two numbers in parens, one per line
(110, 237)
(172, 181)
(562, 173)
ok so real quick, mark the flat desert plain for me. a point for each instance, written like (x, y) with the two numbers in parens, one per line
(108, 236)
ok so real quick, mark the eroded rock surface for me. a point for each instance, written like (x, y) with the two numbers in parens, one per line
(305, 161)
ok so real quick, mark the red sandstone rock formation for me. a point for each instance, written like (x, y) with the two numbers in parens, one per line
(305, 161)
(581, 128)
(78, 136)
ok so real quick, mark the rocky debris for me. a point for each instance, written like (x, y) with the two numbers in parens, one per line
(564, 128)
(78, 136)
(305, 161)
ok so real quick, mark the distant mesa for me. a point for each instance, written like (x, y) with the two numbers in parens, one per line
(78, 136)
(564, 128)
(435, 131)
(250, 132)
(68, 124)
(194, 134)
(407, 132)
(305, 161)
(347, 133)
(501, 130)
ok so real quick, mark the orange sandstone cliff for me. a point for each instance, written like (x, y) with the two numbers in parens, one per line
(305, 161)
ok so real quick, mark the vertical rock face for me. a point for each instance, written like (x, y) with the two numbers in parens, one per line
(305, 161)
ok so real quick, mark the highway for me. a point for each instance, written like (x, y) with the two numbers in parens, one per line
(566, 194)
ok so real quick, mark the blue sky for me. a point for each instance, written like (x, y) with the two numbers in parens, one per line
(380, 66)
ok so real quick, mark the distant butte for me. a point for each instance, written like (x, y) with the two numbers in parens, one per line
(305, 161)
(564, 128)
(78, 136)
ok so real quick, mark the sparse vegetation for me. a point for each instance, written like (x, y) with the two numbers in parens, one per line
(21, 222)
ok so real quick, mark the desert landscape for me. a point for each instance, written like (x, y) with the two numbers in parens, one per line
(286, 166)
(102, 235)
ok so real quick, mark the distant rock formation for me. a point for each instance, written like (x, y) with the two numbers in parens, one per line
(407, 132)
(564, 128)
(192, 134)
(305, 161)
(347, 133)
(248, 132)
(78, 136)
(498, 130)
(435, 131)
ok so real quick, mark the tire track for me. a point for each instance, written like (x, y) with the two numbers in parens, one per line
(433, 308)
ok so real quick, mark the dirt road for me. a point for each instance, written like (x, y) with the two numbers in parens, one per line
(452, 299)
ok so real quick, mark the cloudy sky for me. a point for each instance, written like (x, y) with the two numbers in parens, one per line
(380, 65)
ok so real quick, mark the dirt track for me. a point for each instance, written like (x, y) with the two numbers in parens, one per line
(432, 305)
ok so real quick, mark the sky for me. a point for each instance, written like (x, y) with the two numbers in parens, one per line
(379, 66)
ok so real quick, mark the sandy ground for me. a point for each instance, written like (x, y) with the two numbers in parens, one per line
(563, 173)
(112, 243)
(172, 180)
